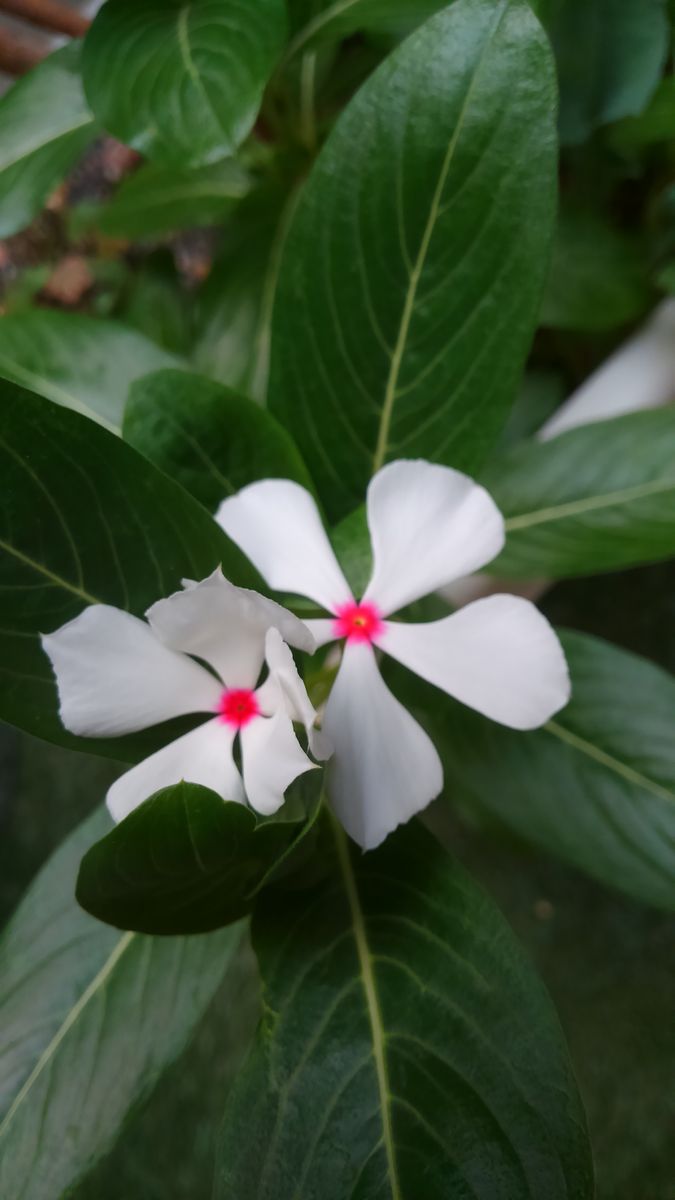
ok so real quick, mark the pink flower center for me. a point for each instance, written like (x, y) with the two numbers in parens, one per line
(357, 622)
(238, 707)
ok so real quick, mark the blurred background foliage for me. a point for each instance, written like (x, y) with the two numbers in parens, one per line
(188, 260)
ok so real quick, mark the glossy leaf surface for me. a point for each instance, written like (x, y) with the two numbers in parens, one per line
(74, 992)
(592, 499)
(407, 1048)
(182, 83)
(86, 520)
(45, 124)
(595, 787)
(206, 437)
(82, 363)
(411, 273)
(187, 861)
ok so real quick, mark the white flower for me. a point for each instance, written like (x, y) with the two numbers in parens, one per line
(117, 674)
(428, 526)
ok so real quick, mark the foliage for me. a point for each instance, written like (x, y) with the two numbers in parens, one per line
(413, 252)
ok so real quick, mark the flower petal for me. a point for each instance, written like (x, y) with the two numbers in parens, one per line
(114, 676)
(428, 525)
(226, 626)
(322, 630)
(202, 756)
(498, 655)
(272, 758)
(385, 767)
(277, 524)
(284, 688)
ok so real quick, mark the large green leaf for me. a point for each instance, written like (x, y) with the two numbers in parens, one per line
(182, 82)
(158, 199)
(186, 861)
(45, 124)
(85, 520)
(412, 271)
(206, 437)
(610, 55)
(85, 364)
(592, 499)
(90, 1017)
(598, 277)
(407, 1050)
(596, 786)
(234, 308)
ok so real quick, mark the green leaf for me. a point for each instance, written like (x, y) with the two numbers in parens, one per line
(85, 364)
(85, 520)
(655, 124)
(182, 82)
(318, 20)
(598, 277)
(593, 499)
(187, 861)
(407, 1050)
(206, 437)
(412, 271)
(541, 392)
(157, 304)
(45, 125)
(610, 56)
(234, 308)
(73, 994)
(595, 787)
(158, 199)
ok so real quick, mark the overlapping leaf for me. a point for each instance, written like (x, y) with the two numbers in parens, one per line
(610, 55)
(206, 437)
(234, 308)
(596, 786)
(182, 82)
(45, 124)
(85, 520)
(188, 862)
(85, 364)
(73, 992)
(411, 273)
(407, 1049)
(159, 199)
(593, 499)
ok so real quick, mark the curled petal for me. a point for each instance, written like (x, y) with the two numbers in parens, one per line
(115, 677)
(498, 655)
(272, 758)
(385, 768)
(428, 525)
(284, 689)
(226, 626)
(277, 525)
(203, 756)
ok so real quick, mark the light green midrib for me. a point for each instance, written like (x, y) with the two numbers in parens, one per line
(42, 570)
(374, 1013)
(608, 760)
(558, 512)
(316, 24)
(416, 273)
(47, 1055)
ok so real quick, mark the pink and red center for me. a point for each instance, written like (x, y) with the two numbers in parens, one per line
(238, 706)
(358, 622)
